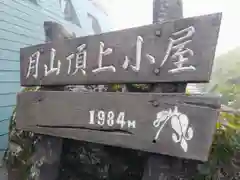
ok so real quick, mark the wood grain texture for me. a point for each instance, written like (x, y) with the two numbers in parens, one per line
(48, 152)
(160, 167)
(164, 10)
(66, 114)
(123, 43)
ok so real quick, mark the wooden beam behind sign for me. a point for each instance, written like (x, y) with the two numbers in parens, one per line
(171, 124)
(174, 51)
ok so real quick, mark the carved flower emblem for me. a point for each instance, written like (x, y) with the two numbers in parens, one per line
(179, 123)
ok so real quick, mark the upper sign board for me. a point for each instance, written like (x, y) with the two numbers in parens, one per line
(174, 51)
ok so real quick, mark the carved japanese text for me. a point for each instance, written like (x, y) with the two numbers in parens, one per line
(51, 69)
(80, 60)
(33, 65)
(176, 51)
(181, 53)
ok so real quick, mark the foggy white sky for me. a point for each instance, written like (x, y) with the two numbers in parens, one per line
(130, 13)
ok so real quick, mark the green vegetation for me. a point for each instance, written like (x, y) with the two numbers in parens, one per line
(224, 161)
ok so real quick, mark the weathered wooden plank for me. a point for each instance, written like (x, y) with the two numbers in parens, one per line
(174, 51)
(171, 124)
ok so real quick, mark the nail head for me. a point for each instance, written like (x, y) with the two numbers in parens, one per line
(155, 103)
(158, 33)
(157, 71)
(41, 50)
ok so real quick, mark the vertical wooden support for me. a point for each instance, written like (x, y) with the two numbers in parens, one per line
(47, 157)
(48, 149)
(160, 167)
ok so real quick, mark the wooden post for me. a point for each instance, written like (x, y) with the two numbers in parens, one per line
(49, 148)
(164, 10)
(47, 157)
(161, 167)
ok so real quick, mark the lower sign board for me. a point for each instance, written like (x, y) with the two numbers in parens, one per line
(171, 124)
(175, 51)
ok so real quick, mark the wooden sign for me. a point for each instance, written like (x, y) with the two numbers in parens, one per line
(171, 124)
(174, 51)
